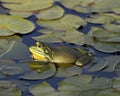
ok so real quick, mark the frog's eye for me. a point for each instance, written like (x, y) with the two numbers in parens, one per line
(46, 51)
(38, 44)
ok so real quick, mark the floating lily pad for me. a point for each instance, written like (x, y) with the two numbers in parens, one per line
(66, 22)
(107, 47)
(112, 63)
(51, 38)
(67, 72)
(116, 83)
(12, 24)
(24, 14)
(112, 27)
(43, 89)
(107, 92)
(70, 37)
(100, 65)
(86, 6)
(42, 72)
(8, 89)
(51, 13)
(100, 19)
(27, 5)
(6, 42)
(17, 51)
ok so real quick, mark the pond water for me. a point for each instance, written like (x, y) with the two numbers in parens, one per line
(24, 84)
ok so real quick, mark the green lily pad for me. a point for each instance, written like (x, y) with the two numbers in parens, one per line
(14, 68)
(107, 92)
(50, 38)
(13, 52)
(86, 6)
(12, 24)
(6, 42)
(24, 14)
(112, 63)
(66, 22)
(70, 37)
(43, 89)
(108, 47)
(116, 83)
(51, 13)
(116, 10)
(100, 65)
(42, 72)
(100, 19)
(27, 5)
(67, 72)
(8, 89)
(112, 27)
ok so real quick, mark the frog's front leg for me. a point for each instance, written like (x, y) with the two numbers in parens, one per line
(85, 59)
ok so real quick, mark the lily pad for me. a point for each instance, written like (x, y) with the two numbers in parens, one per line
(12, 24)
(112, 63)
(8, 89)
(24, 14)
(66, 22)
(6, 42)
(13, 52)
(107, 47)
(100, 65)
(67, 72)
(112, 27)
(28, 5)
(43, 89)
(42, 72)
(52, 13)
(100, 19)
(116, 83)
(107, 92)
(70, 37)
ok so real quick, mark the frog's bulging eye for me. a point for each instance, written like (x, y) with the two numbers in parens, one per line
(46, 51)
(38, 44)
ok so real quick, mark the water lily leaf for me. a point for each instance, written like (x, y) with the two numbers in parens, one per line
(13, 24)
(27, 5)
(66, 22)
(67, 72)
(8, 89)
(100, 65)
(116, 10)
(91, 5)
(51, 13)
(108, 47)
(112, 27)
(43, 89)
(14, 52)
(50, 38)
(116, 83)
(105, 35)
(100, 19)
(84, 82)
(107, 92)
(6, 42)
(112, 63)
(71, 35)
(14, 68)
(50, 31)
(24, 14)
(42, 72)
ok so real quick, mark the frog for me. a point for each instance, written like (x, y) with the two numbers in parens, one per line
(61, 54)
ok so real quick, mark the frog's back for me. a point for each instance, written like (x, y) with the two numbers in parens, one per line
(64, 54)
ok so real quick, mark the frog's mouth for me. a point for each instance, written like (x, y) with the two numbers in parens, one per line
(38, 53)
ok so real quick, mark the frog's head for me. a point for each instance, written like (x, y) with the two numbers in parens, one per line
(41, 52)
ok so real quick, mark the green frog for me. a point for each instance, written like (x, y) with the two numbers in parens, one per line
(61, 54)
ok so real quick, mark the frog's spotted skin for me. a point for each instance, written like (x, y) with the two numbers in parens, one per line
(61, 54)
